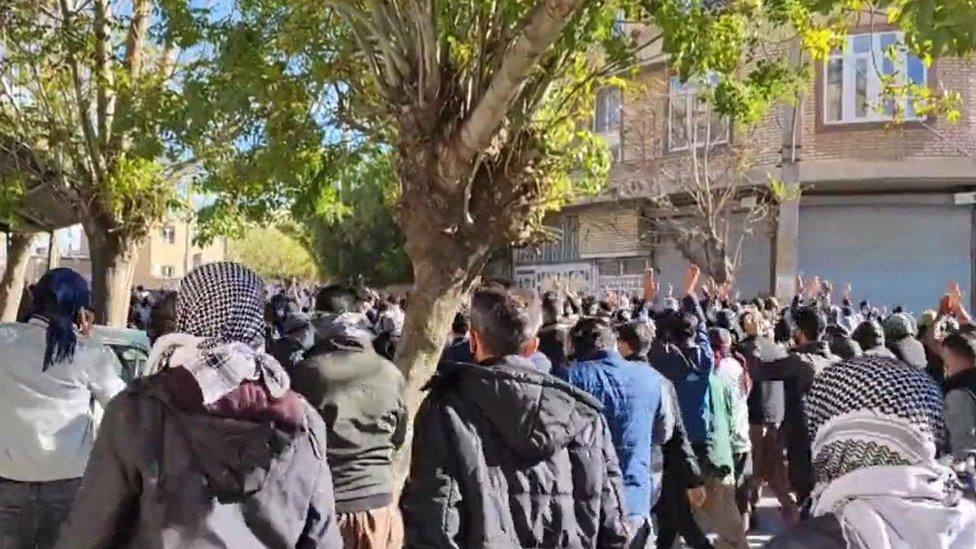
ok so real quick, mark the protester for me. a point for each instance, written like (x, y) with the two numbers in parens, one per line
(296, 339)
(216, 449)
(879, 484)
(729, 369)
(870, 336)
(50, 373)
(507, 456)
(900, 333)
(631, 398)
(674, 467)
(810, 355)
(684, 356)
(766, 412)
(360, 395)
(959, 355)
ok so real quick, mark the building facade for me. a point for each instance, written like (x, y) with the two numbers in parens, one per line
(888, 208)
(168, 253)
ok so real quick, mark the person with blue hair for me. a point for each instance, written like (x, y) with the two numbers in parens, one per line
(50, 375)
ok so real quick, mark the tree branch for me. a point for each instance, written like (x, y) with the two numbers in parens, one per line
(540, 31)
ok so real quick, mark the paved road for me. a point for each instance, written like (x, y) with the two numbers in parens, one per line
(769, 523)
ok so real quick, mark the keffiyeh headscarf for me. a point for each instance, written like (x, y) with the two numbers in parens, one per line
(876, 424)
(220, 332)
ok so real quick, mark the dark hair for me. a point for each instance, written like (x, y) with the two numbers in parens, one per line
(783, 330)
(869, 334)
(162, 318)
(962, 344)
(461, 323)
(58, 297)
(637, 335)
(505, 320)
(591, 335)
(810, 322)
(337, 299)
(552, 307)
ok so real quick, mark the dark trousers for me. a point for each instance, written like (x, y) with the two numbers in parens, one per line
(31, 513)
(675, 518)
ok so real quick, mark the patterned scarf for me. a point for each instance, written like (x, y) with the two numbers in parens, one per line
(876, 424)
(848, 405)
(220, 339)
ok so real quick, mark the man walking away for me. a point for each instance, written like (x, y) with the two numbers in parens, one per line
(296, 340)
(360, 396)
(959, 356)
(49, 378)
(215, 450)
(631, 397)
(810, 355)
(676, 477)
(507, 456)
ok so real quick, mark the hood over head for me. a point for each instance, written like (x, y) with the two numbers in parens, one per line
(535, 414)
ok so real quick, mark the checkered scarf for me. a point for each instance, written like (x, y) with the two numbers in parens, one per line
(220, 333)
(876, 424)
(871, 411)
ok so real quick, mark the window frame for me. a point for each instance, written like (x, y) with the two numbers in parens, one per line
(689, 94)
(608, 91)
(168, 234)
(848, 94)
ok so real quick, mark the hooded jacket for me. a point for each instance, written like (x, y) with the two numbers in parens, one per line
(360, 396)
(506, 456)
(164, 477)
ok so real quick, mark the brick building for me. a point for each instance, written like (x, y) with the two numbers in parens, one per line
(885, 208)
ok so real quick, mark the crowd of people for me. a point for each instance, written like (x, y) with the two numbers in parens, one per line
(273, 416)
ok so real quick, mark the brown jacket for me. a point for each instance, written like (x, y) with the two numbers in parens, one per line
(160, 477)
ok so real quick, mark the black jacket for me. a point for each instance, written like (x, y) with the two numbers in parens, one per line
(797, 372)
(506, 456)
(765, 402)
(360, 397)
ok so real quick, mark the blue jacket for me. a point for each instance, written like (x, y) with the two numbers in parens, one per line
(688, 368)
(631, 397)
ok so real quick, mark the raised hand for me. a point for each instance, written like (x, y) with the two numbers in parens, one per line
(691, 279)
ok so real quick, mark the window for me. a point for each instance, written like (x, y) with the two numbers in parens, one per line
(691, 119)
(633, 265)
(168, 234)
(854, 79)
(607, 116)
(166, 271)
(608, 267)
(197, 260)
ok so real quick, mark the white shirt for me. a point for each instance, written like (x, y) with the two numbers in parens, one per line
(48, 419)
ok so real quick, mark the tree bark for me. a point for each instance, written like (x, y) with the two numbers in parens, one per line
(12, 284)
(113, 261)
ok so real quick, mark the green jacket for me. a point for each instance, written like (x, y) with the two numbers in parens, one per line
(718, 451)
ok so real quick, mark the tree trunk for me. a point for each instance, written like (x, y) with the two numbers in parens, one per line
(113, 261)
(12, 285)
